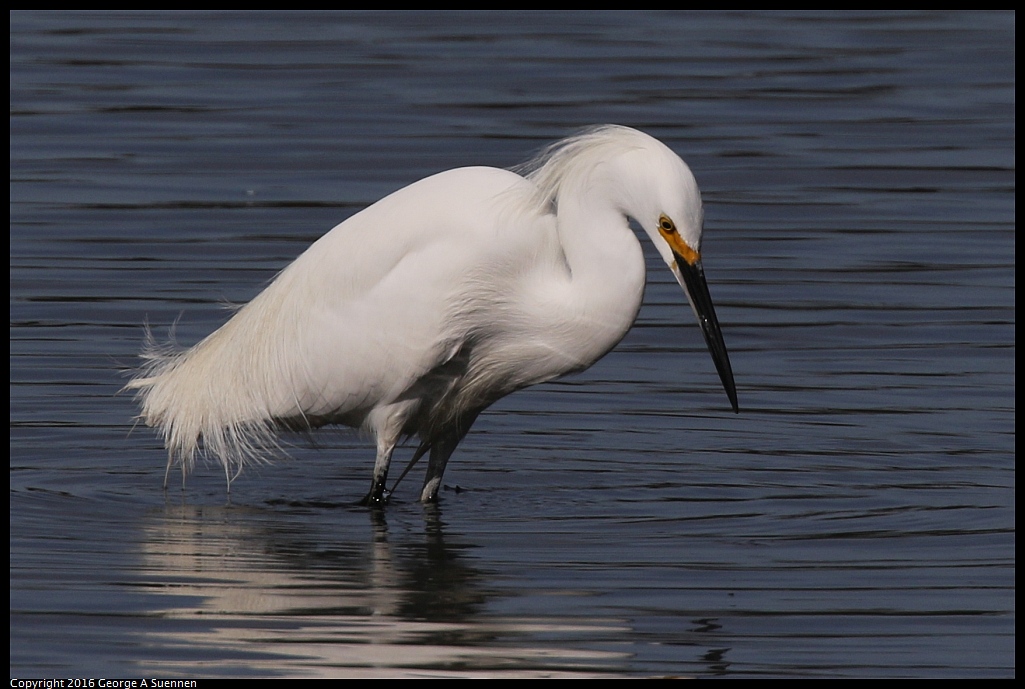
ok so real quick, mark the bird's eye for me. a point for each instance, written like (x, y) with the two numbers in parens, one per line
(666, 224)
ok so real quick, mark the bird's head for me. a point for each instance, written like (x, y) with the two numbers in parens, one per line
(660, 193)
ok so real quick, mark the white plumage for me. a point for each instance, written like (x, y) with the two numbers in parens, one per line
(414, 315)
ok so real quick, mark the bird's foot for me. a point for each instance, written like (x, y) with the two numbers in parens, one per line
(371, 500)
(377, 497)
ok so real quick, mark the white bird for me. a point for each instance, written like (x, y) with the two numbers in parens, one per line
(419, 312)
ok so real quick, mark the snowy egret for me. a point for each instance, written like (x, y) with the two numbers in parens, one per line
(416, 314)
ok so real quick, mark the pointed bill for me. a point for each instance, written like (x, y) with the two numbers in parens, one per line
(692, 278)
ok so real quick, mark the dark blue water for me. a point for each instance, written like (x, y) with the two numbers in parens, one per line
(855, 520)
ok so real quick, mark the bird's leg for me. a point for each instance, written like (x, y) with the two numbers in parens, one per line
(420, 451)
(378, 494)
(441, 450)
(387, 422)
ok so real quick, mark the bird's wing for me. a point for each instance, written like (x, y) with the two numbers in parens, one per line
(373, 306)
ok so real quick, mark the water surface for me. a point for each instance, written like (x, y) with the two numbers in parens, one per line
(856, 519)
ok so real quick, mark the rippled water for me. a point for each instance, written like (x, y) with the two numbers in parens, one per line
(856, 519)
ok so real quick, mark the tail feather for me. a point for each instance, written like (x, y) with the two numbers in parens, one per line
(222, 399)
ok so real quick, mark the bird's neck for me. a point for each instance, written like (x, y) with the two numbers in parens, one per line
(599, 243)
(606, 267)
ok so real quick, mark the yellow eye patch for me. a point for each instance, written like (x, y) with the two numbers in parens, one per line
(667, 228)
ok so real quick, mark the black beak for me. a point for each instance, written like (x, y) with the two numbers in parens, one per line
(692, 277)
